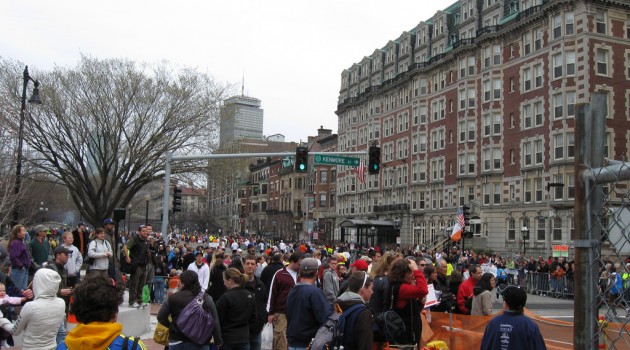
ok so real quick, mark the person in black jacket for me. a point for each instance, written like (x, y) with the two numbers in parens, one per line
(189, 289)
(267, 273)
(217, 287)
(256, 286)
(237, 310)
(358, 327)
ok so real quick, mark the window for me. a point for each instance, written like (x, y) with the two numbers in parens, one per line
(568, 23)
(557, 26)
(538, 110)
(570, 104)
(496, 54)
(487, 159)
(486, 125)
(486, 193)
(538, 75)
(527, 154)
(527, 190)
(471, 98)
(570, 145)
(527, 79)
(511, 229)
(496, 194)
(471, 131)
(570, 56)
(600, 22)
(486, 91)
(527, 116)
(537, 39)
(602, 61)
(496, 89)
(471, 65)
(541, 229)
(487, 57)
(557, 65)
(322, 200)
(323, 176)
(557, 106)
(558, 141)
(496, 159)
(557, 229)
(497, 124)
(527, 43)
(539, 190)
(539, 149)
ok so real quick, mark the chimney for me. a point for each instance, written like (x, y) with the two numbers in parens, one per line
(321, 132)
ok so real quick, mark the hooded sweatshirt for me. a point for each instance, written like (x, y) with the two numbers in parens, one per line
(362, 334)
(97, 336)
(40, 318)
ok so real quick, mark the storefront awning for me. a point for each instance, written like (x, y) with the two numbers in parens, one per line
(366, 223)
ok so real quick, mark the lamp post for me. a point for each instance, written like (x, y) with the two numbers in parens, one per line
(128, 217)
(147, 198)
(525, 237)
(18, 168)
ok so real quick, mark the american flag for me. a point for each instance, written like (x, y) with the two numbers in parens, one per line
(361, 172)
(456, 235)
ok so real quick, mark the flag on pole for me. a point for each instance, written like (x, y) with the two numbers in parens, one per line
(458, 228)
(361, 172)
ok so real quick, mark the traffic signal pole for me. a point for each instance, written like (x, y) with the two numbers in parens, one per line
(171, 158)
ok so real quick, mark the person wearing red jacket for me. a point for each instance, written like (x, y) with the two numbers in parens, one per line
(466, 288)
(407, 285)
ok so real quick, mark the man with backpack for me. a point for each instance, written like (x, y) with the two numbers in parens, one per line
(330, 282)
(356, 318)
(306, 308)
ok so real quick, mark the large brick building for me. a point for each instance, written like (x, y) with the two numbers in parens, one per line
(476, 105)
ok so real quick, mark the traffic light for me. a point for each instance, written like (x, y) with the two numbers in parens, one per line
(301, 159)
(177, 200)
(374, 160)
(466, 212)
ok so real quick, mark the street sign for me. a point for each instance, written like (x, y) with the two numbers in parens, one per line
(336, 160)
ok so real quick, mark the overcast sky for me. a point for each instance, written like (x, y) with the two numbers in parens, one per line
(291, 52)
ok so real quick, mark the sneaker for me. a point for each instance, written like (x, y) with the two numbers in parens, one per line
(136, 304)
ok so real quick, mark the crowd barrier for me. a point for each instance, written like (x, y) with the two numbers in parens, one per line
(546, 284)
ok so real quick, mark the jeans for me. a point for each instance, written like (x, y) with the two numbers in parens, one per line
(20, 278)
(159, 288)
(138, 277)
(255, 341)
(243, 346)
(61, 332)
(188, 346)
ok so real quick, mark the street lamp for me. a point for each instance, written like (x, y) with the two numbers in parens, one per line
(525, 236)
(18, 168)
(147, 197)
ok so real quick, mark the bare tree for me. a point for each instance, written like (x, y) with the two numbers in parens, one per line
(106, 124)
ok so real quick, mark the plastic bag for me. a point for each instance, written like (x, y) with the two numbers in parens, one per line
(146, 294)
(266, 338)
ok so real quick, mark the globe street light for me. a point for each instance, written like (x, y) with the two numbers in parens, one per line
(147, 198)
(18, 168)
(525, 236)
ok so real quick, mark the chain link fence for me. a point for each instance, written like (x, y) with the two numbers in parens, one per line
(601, 236)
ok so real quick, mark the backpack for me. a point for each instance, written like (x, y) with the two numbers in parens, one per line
(195, 322)
(337, 332)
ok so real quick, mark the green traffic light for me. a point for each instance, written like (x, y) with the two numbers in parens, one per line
(302, 167)
(375, 167)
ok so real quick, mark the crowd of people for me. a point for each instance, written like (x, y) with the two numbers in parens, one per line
(248, 283)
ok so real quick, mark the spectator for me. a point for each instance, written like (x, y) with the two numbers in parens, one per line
(40, 319)
(465, 291)
(407, 286)
(80, 239)
(136, 253)
(170, 310)
(330, 283)
(75, 259)
(40, 248)
(58, 265)
(257, 287)
(100, 251)
(202, 270)
(270, 270)
(283, 281)
(95, 304)
(306, 307)
(512, 330)
(19, 256)
(217, 287)
(237, 310)
(482, 296)
(359, 292)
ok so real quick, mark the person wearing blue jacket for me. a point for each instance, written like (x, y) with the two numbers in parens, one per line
(512, 330)
(307, 307)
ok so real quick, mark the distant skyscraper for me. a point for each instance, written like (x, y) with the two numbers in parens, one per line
(241, 117)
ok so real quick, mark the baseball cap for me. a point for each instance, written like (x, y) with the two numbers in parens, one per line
(108, 221)
(61, 249)
(199, 252)
(361, 265)
(40, 228)
(308, 264)
(514, 296)
(251, 245)
(366, 258)
(239, 250)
